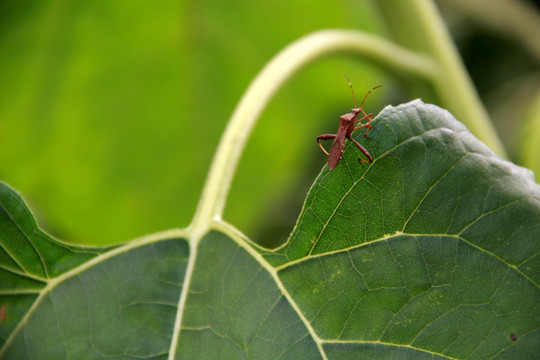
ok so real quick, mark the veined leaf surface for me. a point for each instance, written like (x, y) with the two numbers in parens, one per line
(431, 251)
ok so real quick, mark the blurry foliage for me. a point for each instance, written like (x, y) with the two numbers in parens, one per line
(504, 66)
(110, 111)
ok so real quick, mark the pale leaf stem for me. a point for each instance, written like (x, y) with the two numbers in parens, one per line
(270, 79)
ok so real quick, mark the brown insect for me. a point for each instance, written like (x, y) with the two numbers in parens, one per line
(347, 125)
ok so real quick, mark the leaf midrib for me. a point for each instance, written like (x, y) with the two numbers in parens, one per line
(246, 245)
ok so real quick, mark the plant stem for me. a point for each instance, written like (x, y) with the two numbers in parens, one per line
(530, 148)
(269, 80)
(417, 25)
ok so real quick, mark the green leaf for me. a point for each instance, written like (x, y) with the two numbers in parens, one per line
(113, 299)
(431, 251)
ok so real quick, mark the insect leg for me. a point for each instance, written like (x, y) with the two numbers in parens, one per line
(325, 137)
(362, 149)
(369, 117)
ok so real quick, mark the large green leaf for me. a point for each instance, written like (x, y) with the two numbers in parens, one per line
(431, 251)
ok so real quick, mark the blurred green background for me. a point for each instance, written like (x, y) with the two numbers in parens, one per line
(110, 111)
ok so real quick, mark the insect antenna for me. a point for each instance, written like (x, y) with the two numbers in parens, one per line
(369, 92)
(350, 85)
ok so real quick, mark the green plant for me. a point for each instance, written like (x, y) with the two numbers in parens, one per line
(428, 252)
